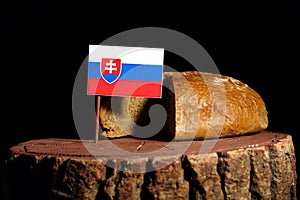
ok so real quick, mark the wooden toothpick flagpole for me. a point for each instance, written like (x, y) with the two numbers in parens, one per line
(97, 118)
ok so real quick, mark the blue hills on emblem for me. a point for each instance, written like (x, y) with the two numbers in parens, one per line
(110, 77)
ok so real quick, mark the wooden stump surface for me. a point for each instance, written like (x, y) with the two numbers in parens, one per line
(257, 166)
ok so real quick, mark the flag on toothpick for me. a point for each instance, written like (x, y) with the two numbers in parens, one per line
(125, 71)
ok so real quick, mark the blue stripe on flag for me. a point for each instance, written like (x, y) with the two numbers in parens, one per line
(130, 71)
(94, 70)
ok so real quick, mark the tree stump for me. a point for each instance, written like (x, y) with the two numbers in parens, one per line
(256, 166)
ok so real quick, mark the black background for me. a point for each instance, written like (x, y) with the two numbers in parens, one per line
(43, 44)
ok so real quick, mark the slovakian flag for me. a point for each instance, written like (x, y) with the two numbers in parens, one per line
(125, 71)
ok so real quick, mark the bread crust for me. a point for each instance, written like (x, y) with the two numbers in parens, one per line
(206, 106)
(211, 105)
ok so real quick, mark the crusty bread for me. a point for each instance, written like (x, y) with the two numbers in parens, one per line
(203, 105)
(210, 105)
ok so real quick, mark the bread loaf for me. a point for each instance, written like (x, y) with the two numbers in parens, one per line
(198, 105)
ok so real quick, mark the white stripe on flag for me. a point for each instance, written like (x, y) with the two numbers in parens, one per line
(133, 55)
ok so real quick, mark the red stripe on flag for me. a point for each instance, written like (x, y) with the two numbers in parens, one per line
(124, 88)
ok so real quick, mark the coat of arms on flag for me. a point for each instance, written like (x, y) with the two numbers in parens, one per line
(125, 71)
(110, 69)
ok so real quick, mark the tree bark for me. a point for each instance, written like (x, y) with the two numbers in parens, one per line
(257, 166)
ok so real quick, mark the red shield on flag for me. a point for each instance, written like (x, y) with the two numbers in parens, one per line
(110, 69)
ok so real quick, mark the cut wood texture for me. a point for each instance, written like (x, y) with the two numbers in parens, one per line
(256, 166)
